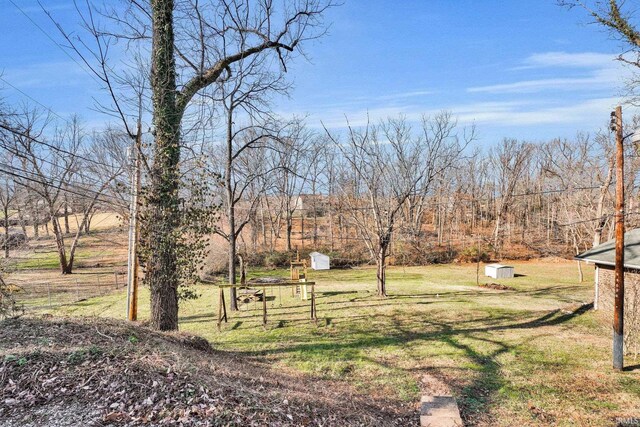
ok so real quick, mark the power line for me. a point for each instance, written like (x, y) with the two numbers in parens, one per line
(18, 154)
(534, 193)
(46, 144)
(62, 187)
(34, 100)
(440, 203)
(14, 131)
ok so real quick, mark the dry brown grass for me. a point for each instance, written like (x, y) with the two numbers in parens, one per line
(124, 374)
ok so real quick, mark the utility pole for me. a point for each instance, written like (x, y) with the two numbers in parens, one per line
(134, 231)
(618, 307)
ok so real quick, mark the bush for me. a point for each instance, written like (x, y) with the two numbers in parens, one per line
(15, 240)
(217, 260)
(416, 252)
(474, 254)
(277, 259)
(254, 259)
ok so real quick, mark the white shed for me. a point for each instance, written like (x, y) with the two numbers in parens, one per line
(499, 271)
(319, 261)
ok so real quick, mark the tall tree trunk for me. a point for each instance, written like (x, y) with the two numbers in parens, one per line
(315, 222)
(66, 216)
(263, 226)
(65, 268)
(163, 199)
(232, 259)
(87, 224)
(289, 229)
(577, 249)
(381, 261)
(21, 220)
(497, 232)
(330, 215)
(231, 212)
(597, 235)
(6, 230)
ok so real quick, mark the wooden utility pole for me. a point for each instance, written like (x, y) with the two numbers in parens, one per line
(134, 232)
(618, 310)
(478, 259)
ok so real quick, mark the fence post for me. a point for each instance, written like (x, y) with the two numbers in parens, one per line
(49, 293)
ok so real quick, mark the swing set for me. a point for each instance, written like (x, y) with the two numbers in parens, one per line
(256, 289)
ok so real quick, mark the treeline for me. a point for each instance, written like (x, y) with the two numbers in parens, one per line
(425, 193)
(392, 191)
(55, 175)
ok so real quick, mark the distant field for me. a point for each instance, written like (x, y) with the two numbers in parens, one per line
(100, 221)
(99, 267)
(531, 356)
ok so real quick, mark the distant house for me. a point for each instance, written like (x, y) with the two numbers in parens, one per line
(307, 203)
(319, 261)
(603, 256)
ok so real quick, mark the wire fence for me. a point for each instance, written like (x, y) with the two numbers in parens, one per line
(35, 295)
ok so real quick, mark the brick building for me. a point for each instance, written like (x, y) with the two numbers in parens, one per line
(603, 257)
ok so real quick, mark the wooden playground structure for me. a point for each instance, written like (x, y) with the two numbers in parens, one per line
(256, 289)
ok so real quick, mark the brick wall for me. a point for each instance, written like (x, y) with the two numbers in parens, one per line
(606, 289)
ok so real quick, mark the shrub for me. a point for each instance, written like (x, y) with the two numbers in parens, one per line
(474, 254)
(277, 259)
(417, 252)
(14, 240)
(254, 259)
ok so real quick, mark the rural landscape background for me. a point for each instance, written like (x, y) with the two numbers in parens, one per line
(192, 150)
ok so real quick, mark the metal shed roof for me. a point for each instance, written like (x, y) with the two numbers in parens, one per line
(318, 254)
(606, 252)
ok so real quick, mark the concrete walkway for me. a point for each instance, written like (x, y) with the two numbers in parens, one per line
(439, 411)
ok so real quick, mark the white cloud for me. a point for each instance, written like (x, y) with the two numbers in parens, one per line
(584, 114)
(403, 95)
(577, 92)
(593, 111)
(599, 80)
(568, 60)
(596, 71)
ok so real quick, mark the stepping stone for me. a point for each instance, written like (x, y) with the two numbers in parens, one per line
(439, 411)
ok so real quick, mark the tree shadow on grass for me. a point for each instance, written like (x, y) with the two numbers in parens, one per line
(475, 388)
(334, 293)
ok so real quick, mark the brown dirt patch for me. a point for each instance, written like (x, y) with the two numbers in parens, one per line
(496, 286)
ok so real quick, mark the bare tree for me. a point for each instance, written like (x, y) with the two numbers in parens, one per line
(8, 195)
(385, 165)
(250, 129)
(50, 169)
(291, 160)
(618, 18)
(510, 160)
(437, 132)
(193, 45)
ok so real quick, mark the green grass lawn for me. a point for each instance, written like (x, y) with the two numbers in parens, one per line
(531, 356)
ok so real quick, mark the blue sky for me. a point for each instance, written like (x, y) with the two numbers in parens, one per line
(526, 69)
